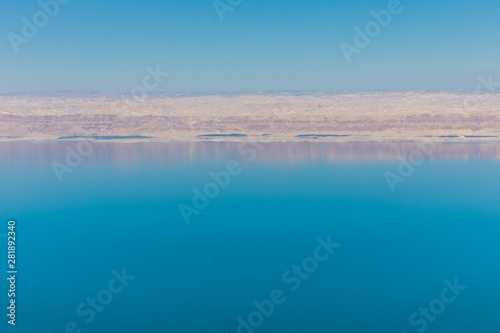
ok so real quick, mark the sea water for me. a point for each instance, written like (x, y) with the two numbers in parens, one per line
(301, 237)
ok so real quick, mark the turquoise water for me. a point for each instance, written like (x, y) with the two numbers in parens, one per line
(119, 209)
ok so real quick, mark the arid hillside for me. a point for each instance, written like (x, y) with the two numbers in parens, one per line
(377, 116)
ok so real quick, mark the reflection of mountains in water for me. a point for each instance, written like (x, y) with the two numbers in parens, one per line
(46, 152)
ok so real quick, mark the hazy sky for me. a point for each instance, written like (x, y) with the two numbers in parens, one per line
(105, 45)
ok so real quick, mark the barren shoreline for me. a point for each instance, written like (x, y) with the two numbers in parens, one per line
(263, 139)
(316, 117)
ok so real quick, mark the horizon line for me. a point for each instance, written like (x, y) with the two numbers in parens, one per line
(223, 92)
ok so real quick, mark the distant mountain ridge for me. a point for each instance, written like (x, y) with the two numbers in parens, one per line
(289, 116)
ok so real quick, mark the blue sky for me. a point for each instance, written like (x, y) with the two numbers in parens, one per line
(105, 46)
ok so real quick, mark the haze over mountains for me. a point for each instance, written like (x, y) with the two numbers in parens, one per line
(270, 116)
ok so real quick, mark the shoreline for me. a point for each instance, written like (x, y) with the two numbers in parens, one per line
(265, 139)
(375, 117)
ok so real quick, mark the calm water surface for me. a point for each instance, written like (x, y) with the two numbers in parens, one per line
(394, 257)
